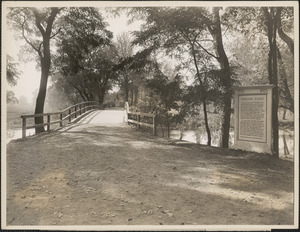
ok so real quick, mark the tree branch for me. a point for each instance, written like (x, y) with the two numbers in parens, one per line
(50, 20)
(195, 37)
(225, 31)
(208, 23)
(206, 40)
(288, 40)
(38, 21)
(58, 31)
(207, 51)
(38, 50)
(78, 89)
(40, 47)
(268, 22)
(194, 41)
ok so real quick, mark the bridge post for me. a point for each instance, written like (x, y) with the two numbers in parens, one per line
(23, 128)
(61, 117)
(139, 120)
(70, 115)
(48, 122)
(128, 117)
(79, 109)
(154, 125)
(75, 112)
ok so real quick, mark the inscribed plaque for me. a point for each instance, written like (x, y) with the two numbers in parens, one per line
(253, 117)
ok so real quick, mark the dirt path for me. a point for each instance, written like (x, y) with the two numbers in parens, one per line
(102, 172)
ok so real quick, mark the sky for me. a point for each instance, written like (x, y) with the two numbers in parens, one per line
(29, 80)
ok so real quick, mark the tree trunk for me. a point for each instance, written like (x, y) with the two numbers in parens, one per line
(288, 40)
(275, 90)
(162, 130)
(275, 126)
(226, 120)
(215, 30)
(101, 95)
(45, 60)
(285, 146)
(136, 93)
(206, 123)
(40, 101)
(181, 133)
(286, 90)
(203, 92)
(132, 94)
(284, 114)
(126, 86)
(82, 96)
(271, 19)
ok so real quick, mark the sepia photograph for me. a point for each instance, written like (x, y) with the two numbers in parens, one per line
(149, 115)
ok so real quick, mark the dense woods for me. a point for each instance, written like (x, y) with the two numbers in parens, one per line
(181, 65)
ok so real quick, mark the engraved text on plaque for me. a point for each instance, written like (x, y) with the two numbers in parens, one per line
(252, 117)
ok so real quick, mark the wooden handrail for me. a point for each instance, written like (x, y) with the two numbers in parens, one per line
(72, 111)
(141, 114)
(55, 113)
(138, 121)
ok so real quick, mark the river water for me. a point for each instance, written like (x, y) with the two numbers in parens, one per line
(286, 141)
(17, 134)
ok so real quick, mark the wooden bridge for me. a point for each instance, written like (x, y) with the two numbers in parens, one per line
(100, 171)
(75, 112)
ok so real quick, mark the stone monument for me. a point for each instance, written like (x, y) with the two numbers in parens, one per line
(253, 118)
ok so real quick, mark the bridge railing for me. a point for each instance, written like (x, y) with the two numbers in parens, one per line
(141, 119)
(59, 117)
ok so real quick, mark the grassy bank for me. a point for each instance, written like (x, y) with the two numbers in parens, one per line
(14, 113)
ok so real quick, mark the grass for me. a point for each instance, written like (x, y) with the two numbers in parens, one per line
(14, 113)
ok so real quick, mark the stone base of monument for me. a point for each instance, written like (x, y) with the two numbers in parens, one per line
(252, 118)
(252, 146)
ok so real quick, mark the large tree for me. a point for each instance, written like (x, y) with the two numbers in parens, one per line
(85, 57)
(92, 81)
(214, 26)
(195, 29)
(271, 20)
(35, 26)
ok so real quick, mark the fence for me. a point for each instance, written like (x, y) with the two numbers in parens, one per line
(59, 117)
(141, 119)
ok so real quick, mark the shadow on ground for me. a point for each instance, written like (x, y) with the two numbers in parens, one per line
(94, 174)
